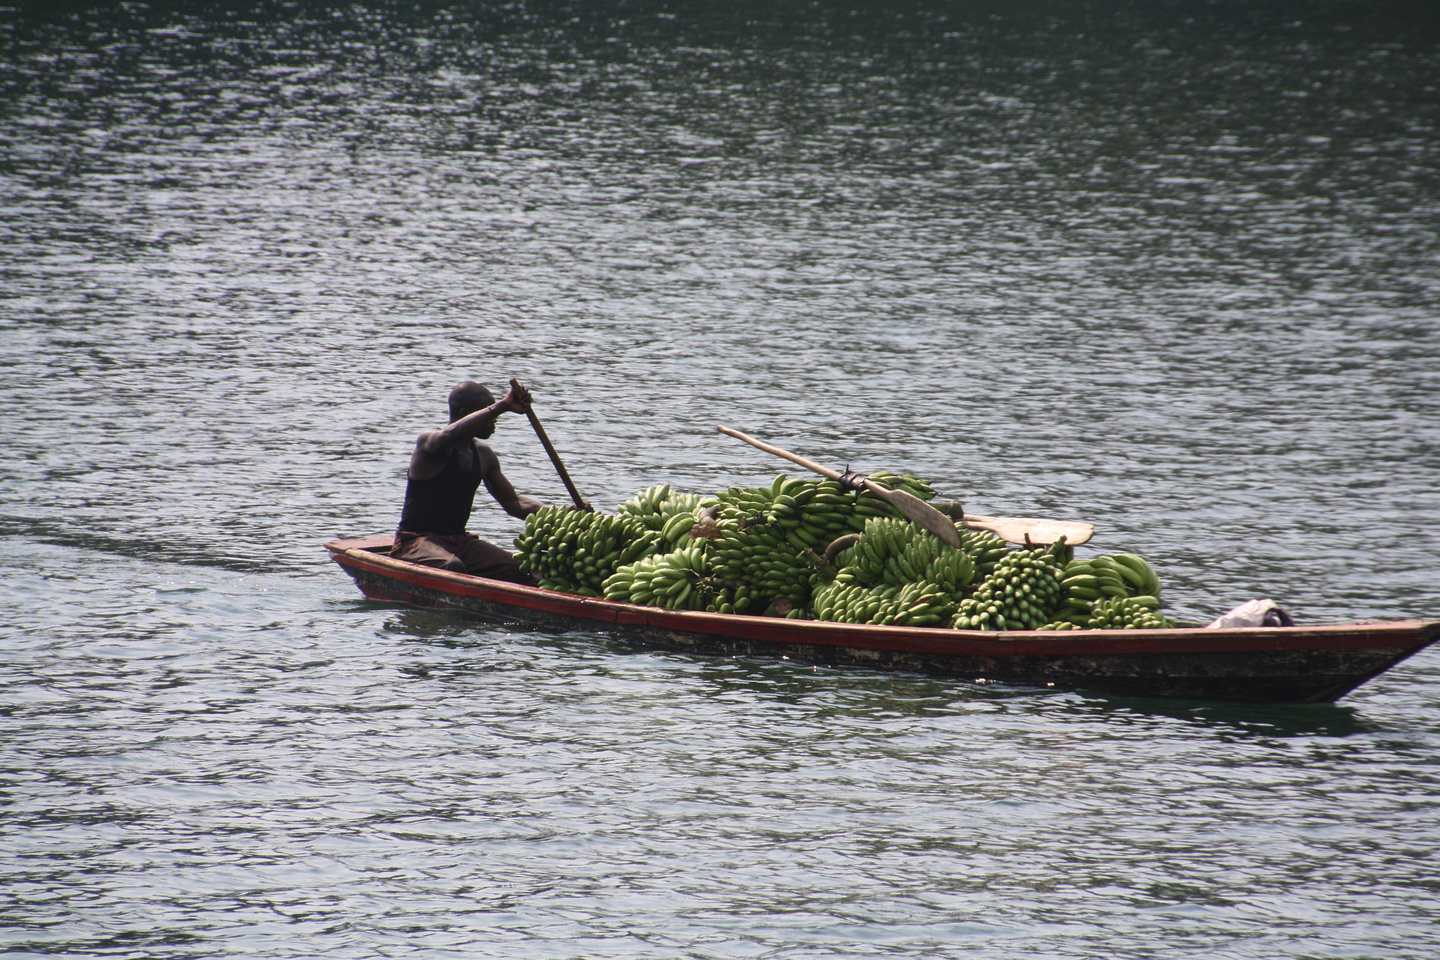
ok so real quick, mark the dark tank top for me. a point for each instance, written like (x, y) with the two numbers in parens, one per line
(441, 504)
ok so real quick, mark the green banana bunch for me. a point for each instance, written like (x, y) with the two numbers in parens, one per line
(1140, 612)
(1089, 581)
(774, 538)
(907, 562)
(934, 561)
(985, 549)
(765, 561)
(644, 507)
(1120, 575)
(679, 580)
(875, 556)
(896, 552)
(924, 604)
(826, 511)
(920, 489)
(1086, 581)
(654, 506)
(680, 503)
(825, 503)
(912, 605)
(1140, 578)
(729, 599)
(838, 602)
(574, 551)
(784, 574)
(1020, 593)
(675, 530)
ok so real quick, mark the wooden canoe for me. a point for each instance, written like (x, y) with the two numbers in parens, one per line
(1301, 664)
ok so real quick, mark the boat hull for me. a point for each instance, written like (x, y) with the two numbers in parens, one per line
(1264, 665)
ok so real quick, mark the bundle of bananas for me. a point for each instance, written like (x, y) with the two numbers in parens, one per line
(1091, 581)
(766, 563)
(896, 552)
(657, 508)
(1140, 578)
(729, 599)
(1019, 594)
(816, 511)
(911, 605)
(1118, 575)
(772, 540)
(644, 507)
(985, 548)
(864, 561)
(675, 530)
(914, 486)
(1141, 612)
(574, 551)
(679, 580)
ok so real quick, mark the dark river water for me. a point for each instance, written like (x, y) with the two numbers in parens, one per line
(1170, 268)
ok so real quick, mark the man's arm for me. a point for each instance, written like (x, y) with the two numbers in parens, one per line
(501, 489)
(428, 458)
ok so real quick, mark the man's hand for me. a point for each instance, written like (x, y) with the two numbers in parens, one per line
(517, 399)
(583, 506)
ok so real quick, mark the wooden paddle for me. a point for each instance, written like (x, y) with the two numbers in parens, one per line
(910, 505)
(550, 449)
(1026, 530)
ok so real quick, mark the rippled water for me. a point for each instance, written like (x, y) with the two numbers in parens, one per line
(1170, 270)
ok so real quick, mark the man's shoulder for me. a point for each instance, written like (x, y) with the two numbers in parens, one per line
(485, 455)
(425, 436)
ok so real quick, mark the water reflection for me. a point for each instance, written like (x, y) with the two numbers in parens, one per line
(770, 678)
(1257, 720)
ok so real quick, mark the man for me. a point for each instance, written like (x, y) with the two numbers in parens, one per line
(446, 468)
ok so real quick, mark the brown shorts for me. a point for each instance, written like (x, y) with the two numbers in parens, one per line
(462, 553)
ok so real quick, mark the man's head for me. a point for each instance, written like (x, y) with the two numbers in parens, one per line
(468, 397)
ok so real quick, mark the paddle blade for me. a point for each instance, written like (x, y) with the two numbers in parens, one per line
(1032, 529)
(924, 515)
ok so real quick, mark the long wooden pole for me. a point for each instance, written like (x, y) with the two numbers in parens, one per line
(1027, 530)
(912, 506)
(550, 449)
